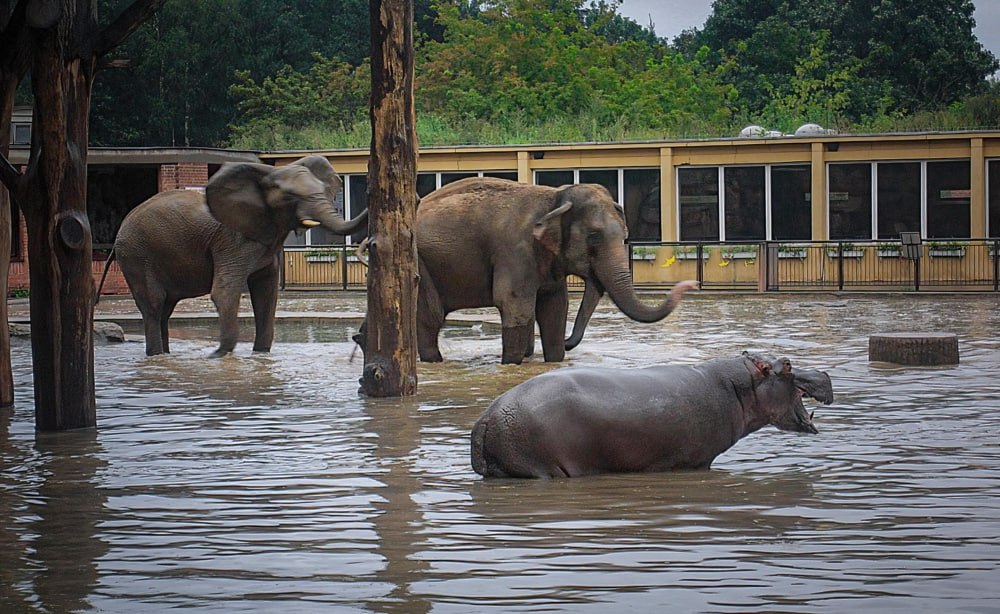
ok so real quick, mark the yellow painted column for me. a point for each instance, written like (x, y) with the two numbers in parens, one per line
(817, 194)
(977, 204)
(523, 167)
(668, 196)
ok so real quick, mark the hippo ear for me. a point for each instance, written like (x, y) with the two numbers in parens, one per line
(548, 230)
(763, 366)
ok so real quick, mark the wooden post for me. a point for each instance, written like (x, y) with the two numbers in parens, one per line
(63, 44)
(391, 333)
(14, 61)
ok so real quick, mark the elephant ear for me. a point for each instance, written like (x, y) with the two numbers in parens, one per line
(321, 168)
(236, 197)
(548, 230)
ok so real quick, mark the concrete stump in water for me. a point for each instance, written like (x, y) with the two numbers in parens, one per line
(925, 349)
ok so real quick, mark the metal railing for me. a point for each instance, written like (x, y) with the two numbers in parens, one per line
(765, 266)
(942, 265)
(323, 267)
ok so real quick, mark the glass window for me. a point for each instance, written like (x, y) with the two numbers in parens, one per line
(553, 178)
(357, 187)
(699, 203)
(897, 199)
(447, 178)
(744, 204)
(642, 204)
(21, 134)
(850, 198)
(993, 198)
(607, 178)
(426, 183)
(512, 175)
(948, 198)
(791, 205)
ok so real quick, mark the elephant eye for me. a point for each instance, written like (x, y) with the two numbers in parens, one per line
(594, 238)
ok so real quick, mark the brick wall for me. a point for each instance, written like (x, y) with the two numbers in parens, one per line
(183, 175)
(172, 176)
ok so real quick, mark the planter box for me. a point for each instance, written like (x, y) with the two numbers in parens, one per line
(888, 253)
(848, 253)
(739, 255)
(331, 258)
(795, 253)
(705, 253)
(644, 256)
(946, 253)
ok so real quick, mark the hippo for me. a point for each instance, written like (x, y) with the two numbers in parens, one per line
(580, 421)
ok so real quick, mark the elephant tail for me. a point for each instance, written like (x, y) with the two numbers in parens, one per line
(107, 265)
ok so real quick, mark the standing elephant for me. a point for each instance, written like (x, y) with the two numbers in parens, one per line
(182, 244)
(483, 242)
(583, 421)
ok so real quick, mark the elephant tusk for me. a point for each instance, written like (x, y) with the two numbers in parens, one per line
(309, 223)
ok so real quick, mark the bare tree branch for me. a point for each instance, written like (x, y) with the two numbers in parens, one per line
(9, 175)
(126, 23)
(15, 47)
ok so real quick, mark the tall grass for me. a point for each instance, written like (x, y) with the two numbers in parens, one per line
(520, 129)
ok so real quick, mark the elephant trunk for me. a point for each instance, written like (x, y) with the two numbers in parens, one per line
(338, 225)
(592, 294)
(613, 273)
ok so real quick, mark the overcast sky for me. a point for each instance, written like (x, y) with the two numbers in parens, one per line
(671, 16)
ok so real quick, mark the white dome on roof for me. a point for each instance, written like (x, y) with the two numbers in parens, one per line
(752, 130)
(810, 130)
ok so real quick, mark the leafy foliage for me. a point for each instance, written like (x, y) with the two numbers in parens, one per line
(294, 74)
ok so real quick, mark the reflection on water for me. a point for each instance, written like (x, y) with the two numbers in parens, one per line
(263, 482)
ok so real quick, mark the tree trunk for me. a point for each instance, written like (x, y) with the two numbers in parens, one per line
(54, 201)
(391, 333)
(8, 84)
(14, 59)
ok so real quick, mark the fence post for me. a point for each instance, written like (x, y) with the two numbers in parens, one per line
(996, 265)
(840, 265)
(700, 276)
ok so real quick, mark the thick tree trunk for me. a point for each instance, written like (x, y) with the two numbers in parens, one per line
(8, 83)
(391, 335)
(14, 60)
(54, 200)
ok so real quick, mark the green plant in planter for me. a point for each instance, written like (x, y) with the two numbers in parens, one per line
(791, 251)
(322, 255)
(643, 252)
(850, 250)
(956, 248)
(741, 252)
(690, 252)
(888, 249)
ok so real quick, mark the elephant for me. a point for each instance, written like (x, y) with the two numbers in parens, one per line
(588, 420)
(495, 242)
(182, 244)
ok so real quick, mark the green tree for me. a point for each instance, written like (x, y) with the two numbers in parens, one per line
(898, 55)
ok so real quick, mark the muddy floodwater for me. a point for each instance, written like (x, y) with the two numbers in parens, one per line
(263, 482)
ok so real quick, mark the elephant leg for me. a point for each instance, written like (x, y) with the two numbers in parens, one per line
(551, 311)
(530, 349)
(264, 299)
(515, 339)
(516, 302)
(154, 327)
(151, 303)
(168, 310)
(227, 302)
(430, 319)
